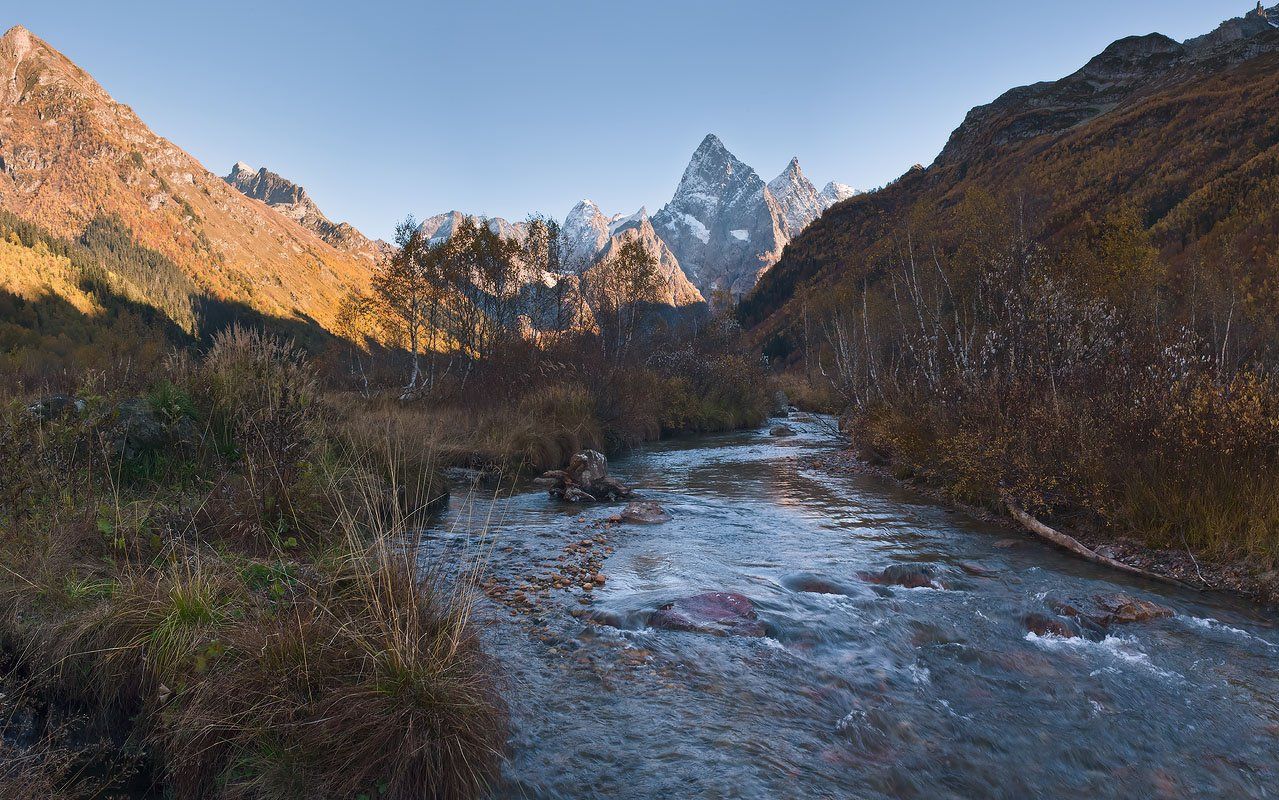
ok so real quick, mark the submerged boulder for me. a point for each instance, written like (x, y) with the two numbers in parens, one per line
(644, 512)
(809, 583)
(584, 480)
(782, 430)
(1093, 620)
(908, 576)
(1046, 625)
(715, 613)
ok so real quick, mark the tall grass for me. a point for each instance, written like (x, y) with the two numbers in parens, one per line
(250, 607)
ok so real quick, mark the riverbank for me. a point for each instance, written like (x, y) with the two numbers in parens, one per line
(1200, 572)
(545, 425)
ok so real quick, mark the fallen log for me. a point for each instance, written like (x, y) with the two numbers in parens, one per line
(1075, 546)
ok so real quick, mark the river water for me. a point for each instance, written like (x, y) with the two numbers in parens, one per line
(861, 691)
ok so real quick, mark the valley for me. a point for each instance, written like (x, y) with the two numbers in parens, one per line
(961, 486)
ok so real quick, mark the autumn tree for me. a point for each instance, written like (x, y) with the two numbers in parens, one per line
(554, 297)
(484, 267)
(406, 290)
(622, 291)
(357, 313)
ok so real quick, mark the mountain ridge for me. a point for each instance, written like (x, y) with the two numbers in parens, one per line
(70, 153)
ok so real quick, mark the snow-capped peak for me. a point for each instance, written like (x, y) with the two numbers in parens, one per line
(584, 233)
(621, 221)
(837, 192)
(797, 198)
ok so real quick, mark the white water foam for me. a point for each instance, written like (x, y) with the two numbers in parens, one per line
(1210, 624)
(1118, 648)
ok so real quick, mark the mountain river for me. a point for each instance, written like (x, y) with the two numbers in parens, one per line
(856, 690)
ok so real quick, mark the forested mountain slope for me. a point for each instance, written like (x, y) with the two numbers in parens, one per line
(1183, 136)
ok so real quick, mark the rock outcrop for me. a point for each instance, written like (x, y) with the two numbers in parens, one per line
(292, 201)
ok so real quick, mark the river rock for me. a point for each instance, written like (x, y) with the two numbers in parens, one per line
(976, 570)
(1045, 625)
(644, 512)
(584, 480)
(1120, 608)
(815, 584)
(715, 613)
(782, 430)
(909, 576)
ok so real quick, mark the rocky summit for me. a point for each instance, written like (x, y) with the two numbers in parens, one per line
(292, 201)
(727, 227)
(723, 224)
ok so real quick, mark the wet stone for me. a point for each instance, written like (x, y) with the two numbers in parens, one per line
(1045, 625)
(1120, 608)
(908, 576)
(645, 512)
(716, 613)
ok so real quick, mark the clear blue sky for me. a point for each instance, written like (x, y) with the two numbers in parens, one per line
(382, 108)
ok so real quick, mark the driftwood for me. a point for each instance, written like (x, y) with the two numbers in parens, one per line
(1073, 545)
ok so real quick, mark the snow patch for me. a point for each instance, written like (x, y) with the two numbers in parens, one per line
(696, 227)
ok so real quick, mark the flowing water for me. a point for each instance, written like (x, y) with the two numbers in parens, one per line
(860, 691)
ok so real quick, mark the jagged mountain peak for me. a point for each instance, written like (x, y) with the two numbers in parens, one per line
(726, 225)
(797, 198)
(722, 223)
(291, 200)
(711, 144)
(712, 160)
